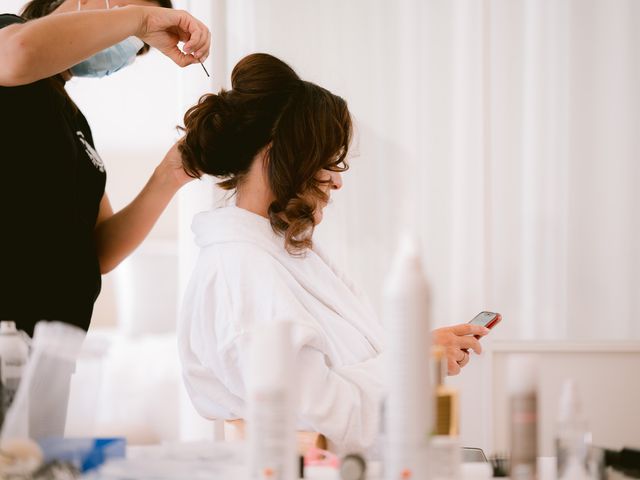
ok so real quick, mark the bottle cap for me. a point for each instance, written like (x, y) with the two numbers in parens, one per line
(522, 374)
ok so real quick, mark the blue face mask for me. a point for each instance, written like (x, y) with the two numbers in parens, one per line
(109, 60)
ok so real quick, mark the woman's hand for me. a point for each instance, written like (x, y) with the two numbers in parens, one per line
(164, 28)
(457, 340)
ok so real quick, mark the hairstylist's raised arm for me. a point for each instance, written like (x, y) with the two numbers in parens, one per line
(50, 45)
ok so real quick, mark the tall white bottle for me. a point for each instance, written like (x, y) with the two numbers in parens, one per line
(271, 439)
(409, 405)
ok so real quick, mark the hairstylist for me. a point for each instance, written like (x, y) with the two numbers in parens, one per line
(58, 232)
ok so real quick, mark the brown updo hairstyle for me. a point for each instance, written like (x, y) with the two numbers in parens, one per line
(306, 127)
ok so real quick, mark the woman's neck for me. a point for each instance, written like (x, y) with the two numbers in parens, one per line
(253, 192)
(253, 203)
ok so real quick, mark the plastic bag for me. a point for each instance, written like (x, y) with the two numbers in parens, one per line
(39, 408)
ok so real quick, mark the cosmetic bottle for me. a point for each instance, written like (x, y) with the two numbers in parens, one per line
(446, 454)
(271, 440)
(572, 436)
(409, 404)
(523, 417)
(447, 406)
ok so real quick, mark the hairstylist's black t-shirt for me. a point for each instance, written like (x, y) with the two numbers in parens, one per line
(51, 184)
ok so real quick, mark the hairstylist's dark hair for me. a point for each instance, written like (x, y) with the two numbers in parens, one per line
(305, 127)
(42, 8)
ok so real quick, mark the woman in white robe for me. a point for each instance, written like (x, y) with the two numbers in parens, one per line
(280, 144)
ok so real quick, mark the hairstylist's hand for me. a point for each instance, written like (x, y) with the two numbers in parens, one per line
(170, 170)
(164, 28)
(457, 340)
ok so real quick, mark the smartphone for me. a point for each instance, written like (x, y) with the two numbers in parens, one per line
(486, 319)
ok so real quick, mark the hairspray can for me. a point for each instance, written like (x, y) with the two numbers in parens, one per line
(409, 405)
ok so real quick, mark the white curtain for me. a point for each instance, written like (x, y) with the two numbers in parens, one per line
(506, 133)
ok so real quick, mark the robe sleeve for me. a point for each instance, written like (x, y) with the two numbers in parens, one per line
(341, 402)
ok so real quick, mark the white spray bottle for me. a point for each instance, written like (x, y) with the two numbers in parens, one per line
(409, 405)
(271, 439)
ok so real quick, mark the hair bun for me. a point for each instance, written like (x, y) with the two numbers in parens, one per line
(211, 144)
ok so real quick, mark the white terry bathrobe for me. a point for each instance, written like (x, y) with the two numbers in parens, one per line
(244, 275)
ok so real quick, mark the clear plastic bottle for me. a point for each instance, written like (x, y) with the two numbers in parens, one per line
(572, 437)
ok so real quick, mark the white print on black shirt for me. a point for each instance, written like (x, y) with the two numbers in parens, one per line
(91, 152)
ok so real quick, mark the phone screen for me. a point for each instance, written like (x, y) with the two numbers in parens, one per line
(486, 319)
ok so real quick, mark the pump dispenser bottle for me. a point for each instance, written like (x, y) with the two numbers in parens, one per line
(409, 405)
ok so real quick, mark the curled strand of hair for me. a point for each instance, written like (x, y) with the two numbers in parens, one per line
(296, 220)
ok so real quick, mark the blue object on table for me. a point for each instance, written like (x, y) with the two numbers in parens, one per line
(84, 453)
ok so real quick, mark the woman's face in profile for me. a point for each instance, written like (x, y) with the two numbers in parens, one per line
(331, 181)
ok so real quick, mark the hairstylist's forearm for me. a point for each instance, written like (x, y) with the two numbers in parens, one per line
(119, 235)
(50, 45)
